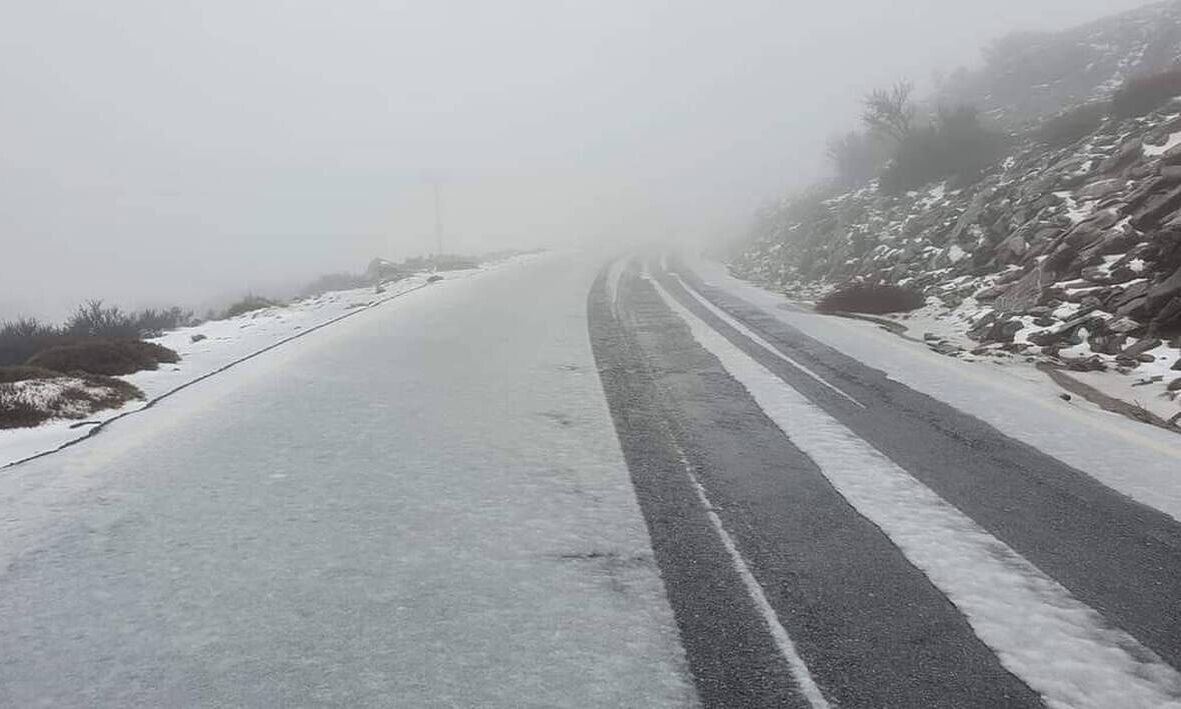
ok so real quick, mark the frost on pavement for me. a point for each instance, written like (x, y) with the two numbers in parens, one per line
(204, 349)
(424, 505)
(1057, 645)
(1137, 460)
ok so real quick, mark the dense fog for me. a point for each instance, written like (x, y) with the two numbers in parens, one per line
(188, 152)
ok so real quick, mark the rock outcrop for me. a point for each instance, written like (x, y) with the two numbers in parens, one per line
(1065, 253)
(1061, 241)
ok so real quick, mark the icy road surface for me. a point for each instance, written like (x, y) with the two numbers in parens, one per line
(423, 505)
(568, 482)
(832, 536)
(220, 344)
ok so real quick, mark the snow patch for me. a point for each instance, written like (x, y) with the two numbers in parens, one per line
(1173, 141)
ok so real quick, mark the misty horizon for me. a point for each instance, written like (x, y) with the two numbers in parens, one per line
(187, 155)
(395, 353)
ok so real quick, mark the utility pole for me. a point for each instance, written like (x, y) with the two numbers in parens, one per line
(438, 221)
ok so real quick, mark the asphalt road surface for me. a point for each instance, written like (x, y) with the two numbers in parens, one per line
(563, 484)
(750, 508)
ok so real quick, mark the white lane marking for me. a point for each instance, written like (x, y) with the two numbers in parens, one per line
(799, 670)
(758, 339)
(957, 367)
(1057, 645)
(783, 642)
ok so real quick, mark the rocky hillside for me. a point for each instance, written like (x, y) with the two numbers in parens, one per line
(1070, 255)
(1030, 75)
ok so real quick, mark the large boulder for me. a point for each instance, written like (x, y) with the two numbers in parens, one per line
(1022, 295)
(1100, 188)
(1168, 316)
(1141, 347)
(1172, 156)
(1156, 209)
(1166, 288)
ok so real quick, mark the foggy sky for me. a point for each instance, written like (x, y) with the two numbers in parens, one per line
(160, 152)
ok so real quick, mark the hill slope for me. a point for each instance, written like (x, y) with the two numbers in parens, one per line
(1029, 75)
(1070, 255)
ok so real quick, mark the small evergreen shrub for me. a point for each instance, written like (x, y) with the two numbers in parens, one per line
(871, 298)
(109, 357)
(1071, 126)
(1144, 94)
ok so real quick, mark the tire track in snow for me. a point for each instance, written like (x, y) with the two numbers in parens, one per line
(1059, 646)
(758, 595)
(735, 656)
(1112, 553)
(871, 627)
(758, 339)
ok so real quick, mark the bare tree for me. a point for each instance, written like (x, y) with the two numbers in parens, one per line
(890, 111)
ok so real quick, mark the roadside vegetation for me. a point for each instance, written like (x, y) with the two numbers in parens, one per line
(68, 370)
(1044, 227)
(905, 149)
(109, 357)
(94, 327)
(870, 298)
(248, 304)
(1071, 125)
(45, 395)
(1141, 95)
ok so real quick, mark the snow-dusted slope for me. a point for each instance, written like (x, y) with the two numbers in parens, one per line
(1032, 74)
(1070, 255)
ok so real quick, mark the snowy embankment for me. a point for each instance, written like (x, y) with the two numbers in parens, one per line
(1066, 256)
(1146, 386)
(209, 348)
(1140, 461)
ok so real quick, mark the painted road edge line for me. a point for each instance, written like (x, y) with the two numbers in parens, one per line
(799, 669)
(1060, 647)
(760, 341)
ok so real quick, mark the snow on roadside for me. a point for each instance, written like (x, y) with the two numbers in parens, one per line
(65, 396)
(945, 330)
(222, 341)
(1060, 647)
(1141, 461)
(210, 346)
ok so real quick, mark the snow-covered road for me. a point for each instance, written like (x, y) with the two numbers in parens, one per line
(422, 505)
(555, 483)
